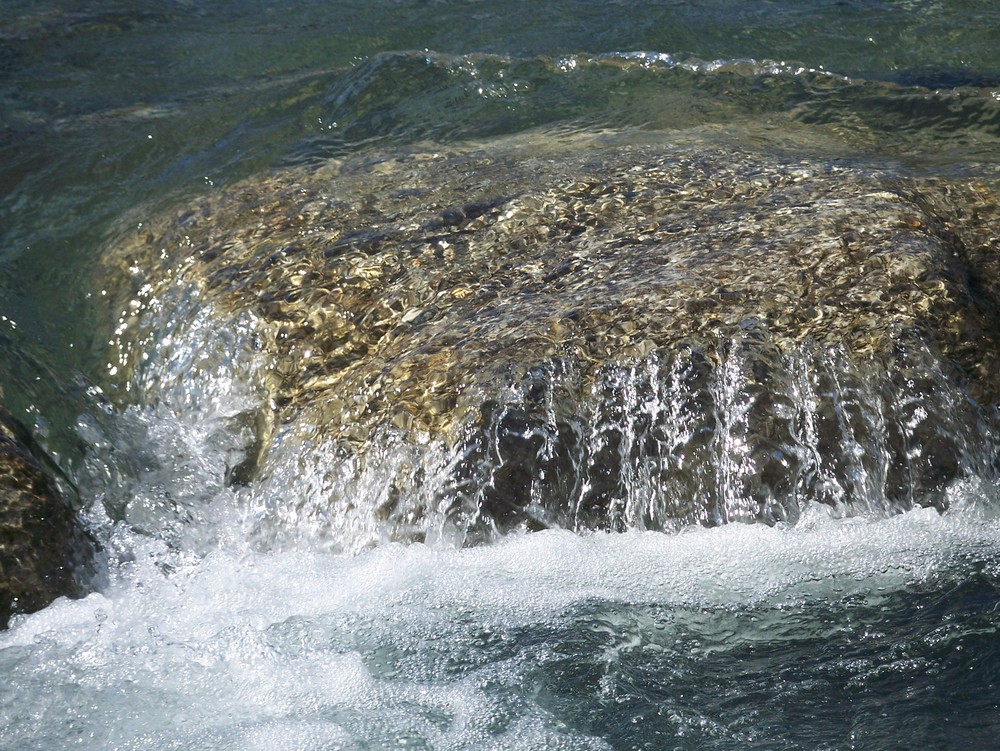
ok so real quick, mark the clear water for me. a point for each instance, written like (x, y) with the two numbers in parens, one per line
(867, 632)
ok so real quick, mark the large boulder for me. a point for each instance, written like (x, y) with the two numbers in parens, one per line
(44, 551)
(585, 330)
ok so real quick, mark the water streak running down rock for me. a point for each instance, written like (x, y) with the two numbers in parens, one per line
(594, 330)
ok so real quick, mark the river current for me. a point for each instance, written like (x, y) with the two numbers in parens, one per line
(875, 630)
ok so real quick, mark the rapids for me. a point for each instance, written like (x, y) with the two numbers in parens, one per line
(834, 633)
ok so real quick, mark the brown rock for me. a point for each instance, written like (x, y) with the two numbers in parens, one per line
(492, 298)
(44, 551)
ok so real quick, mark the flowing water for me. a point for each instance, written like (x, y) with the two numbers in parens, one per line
(228, 620)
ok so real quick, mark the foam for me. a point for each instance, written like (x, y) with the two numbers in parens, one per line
(418, 646)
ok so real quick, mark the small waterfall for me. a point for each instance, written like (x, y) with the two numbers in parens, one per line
(743, 431)
(639, 349)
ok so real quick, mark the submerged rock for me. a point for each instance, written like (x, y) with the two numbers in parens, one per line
(594, 330)
(44, 551)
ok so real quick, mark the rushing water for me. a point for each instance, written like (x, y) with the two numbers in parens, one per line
(872, 632)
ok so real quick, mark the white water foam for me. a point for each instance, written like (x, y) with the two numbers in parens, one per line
(410, 645)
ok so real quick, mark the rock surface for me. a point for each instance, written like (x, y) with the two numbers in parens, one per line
(44, 551)
(554, 311)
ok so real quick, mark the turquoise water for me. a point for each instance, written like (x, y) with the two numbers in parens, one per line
(868, 634)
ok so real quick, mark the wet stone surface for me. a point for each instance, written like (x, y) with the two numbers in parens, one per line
(598, 330)
(44, 551)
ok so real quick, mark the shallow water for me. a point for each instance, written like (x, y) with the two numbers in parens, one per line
(867, 632)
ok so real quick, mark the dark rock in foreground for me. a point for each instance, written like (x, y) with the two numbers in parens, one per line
(44, 551)
(593, 331)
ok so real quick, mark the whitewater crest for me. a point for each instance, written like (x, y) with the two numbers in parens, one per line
(596, 330)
